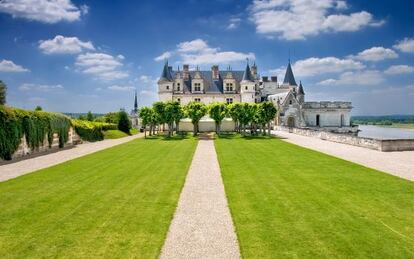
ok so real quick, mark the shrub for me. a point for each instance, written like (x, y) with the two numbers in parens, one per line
(91, 131)
(124, 124)
(35, 125)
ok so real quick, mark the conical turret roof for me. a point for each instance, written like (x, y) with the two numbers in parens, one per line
(289, 77)
(247, 75)
(300, 89)
(166, 74)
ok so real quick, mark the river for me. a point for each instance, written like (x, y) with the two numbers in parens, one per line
(376, 132)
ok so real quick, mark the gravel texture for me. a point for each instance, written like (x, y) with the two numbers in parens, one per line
(202, 226)
(400, 164)
(13, 170)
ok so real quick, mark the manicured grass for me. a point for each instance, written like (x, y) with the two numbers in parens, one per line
(287, 201)
(117, 203)
(114, 134)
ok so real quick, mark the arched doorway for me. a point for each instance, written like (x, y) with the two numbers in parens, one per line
(291, 122)
(318, 120)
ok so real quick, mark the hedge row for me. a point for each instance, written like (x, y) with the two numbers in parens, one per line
(92, 130)
(34, 125)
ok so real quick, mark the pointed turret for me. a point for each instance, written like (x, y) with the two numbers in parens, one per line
(247, 75)
(289, 77)
(300, 89)
(300, 93)
(136, 102)
(166, 73)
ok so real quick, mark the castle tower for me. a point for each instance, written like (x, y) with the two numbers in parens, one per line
(136, 103)
(247, 86)
(165, 84)
(300, 93)
(289, 77)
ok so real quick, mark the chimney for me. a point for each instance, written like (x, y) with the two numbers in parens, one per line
(186, 72)
(273, 78)
(265, 79)
(215, 72)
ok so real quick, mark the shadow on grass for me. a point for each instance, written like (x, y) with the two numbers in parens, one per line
(246, 137)
(164, 136)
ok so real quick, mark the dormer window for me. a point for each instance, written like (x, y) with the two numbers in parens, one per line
(290, 102)
(197, 87)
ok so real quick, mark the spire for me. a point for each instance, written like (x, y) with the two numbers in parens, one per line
(289, 77)
(247, 75)
(166, 73)
(136, 102)
(300, 89)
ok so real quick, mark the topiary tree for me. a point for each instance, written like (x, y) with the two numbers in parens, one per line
(195, 111)
(89, 116)
(248, 111)
(3, 90)
(172, 113)
(268, 113)
(178, 115)
(235, 112)
(159, 110)
(124, 124)
(146, 114)
(217, 112)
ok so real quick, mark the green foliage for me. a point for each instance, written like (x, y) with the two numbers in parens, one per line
(266, 113)
(159, 109)
(35, 125)
(382, 120)
(3, 91)
(172, 113)
(195, 111)
(38, 108)
(89, 116)
(148, 117)
(217, 111)
(91, 131)
(124, 124)
(112, 117)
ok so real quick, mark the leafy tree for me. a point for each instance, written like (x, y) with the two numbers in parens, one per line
(235, 112)
(247, 115)
(124, 124)
(3, 90)
(267, 112)
(195, 111)
(146, 114)
(178, 115)
(159, 110)
(217, 112)
(112, 117)
(172, 113)
(82, 117)
(89, 116)
(38, 108)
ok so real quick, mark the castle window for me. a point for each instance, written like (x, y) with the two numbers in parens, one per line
(197, 100)
(246, 88)
(178, 88)
(197, 87)
(178, 100)
(229, 100)
(168, 87)
(290, 102)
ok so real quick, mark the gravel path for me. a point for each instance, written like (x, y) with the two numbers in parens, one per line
(10, 171)
(202, 226)
(396, 163)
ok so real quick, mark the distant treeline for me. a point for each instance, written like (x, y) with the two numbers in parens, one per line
(382, 120)
(76, 115)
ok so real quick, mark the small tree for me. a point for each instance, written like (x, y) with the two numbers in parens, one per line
(195, 111)
(89, 116)
(235, 112)
(217, 112)
(159, 110)
(146, 114)
(124, 124)
(178, 115)
(38, 108)
(269, 112)
(247, 115)
(3, 90)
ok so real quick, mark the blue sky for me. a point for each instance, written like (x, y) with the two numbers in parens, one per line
(76, 56)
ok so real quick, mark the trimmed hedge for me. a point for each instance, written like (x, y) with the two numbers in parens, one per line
(34, 125)
(92, 130)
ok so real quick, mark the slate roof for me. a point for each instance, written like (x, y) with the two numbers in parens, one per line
(166, 73)
(300, 89)
(247, 75)
(212, 86)
(289, 77)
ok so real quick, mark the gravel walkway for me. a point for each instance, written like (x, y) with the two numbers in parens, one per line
(202, 226)
(396, 163)
(13, 170)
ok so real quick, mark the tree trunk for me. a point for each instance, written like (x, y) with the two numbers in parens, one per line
(150, 130)
(177, 125)
(145, 132)
(194, 129)
(219, 127)
(268, 128)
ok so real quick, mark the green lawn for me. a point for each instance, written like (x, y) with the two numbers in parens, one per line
(289, 201)
(114, 134)
(117, 203)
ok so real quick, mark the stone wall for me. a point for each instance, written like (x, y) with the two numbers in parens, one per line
(376, 144)
(25, 150)
(207, 125)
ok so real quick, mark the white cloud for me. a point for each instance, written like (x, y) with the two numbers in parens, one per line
(121, 88)
(147, 79)
(319, 66)
(163, 56)
(405, 45)
(9, 66)
(47, 11)
(64, 45)
(38, 87)
(148, 93)
(101, 65)
(296, 20)
(234, 23)
(367, 77)
(197, 45)
(399, 69)
(375, 54)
